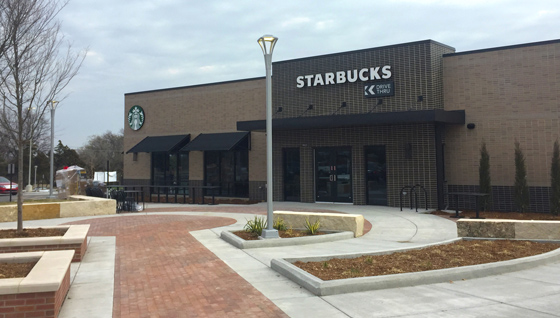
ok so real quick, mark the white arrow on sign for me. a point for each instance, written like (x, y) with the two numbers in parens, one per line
(369, 89)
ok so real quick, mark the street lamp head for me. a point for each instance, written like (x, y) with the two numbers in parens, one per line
(267, 43)
(53, 103)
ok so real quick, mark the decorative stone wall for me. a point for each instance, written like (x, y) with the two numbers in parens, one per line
(509, 229)
(328, 221)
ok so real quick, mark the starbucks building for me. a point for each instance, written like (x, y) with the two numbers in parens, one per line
(361, 127)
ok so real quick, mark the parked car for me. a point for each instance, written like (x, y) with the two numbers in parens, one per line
(5, 186)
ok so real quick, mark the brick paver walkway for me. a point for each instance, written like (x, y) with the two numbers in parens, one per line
(162, 271)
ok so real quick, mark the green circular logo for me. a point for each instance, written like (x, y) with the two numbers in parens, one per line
(136, 117)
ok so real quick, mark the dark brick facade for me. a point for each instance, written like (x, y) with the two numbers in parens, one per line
(420, 168)
(502, 198)
(416, 71)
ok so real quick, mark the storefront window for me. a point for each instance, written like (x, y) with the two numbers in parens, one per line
(159, 167)
(229, 170)
(170, 169)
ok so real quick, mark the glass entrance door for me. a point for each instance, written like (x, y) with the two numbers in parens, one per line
(333, 171)
(291, 175)
(376, 177)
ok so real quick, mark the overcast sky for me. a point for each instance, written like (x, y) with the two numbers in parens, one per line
(144, 45)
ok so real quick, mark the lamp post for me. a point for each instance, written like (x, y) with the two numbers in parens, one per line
(53, 107)
(29, 187)
(267, 43)
(35, 181)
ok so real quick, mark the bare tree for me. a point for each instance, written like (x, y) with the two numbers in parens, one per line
(103, 148)
(36, 64)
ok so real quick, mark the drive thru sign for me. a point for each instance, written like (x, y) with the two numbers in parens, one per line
(379, 89)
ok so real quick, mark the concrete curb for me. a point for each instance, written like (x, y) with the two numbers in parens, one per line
(243, 244)
(351, 285)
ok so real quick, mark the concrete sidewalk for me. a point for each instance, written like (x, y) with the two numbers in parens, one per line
(529, 293)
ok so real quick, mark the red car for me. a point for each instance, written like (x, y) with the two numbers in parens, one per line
(5, 186)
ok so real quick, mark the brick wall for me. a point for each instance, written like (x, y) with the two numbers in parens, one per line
(45, 304)
(80, 249)
(191, 110)
(509, 94)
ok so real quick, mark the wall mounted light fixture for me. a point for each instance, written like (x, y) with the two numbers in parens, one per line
(471, 125)
(310, 107)
(342, 105)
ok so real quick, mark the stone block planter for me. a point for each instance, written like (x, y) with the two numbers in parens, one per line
(329, 221)
(42, 292)
(74, 239)
(509, 229)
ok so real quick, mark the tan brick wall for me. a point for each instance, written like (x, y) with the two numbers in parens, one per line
(191, 110)
(508, 94)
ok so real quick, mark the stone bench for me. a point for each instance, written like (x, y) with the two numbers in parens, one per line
(328, 221)
(509, 229)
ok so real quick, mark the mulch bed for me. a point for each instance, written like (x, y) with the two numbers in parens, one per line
(504, 215)
(15, 270)
(39, 232)
(283, 234)
(462, 253)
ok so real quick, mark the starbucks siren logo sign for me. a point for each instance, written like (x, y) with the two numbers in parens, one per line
(136, 117)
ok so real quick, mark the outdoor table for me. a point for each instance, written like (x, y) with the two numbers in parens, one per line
(476, 195)
(135, 194)
(202, 192)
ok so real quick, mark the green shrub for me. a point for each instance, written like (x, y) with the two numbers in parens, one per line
(521, 188)
(279, 224)
(555, 180)
(255, 225)
(312, 228)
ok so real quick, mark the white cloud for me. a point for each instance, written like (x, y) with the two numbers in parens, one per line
(137, 45)
(295, 22)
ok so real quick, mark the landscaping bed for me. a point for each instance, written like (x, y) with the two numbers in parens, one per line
(353, 281)
(239, 242)
(74, 238)
(41, 292)
(248, 236)
(38, 232)
(15, 270)
(461, 253)
(503, 215)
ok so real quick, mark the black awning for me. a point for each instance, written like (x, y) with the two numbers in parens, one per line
(335, 121)
(161, 144)
(219, 141)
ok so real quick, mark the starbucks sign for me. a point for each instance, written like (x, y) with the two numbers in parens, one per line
(136, 117)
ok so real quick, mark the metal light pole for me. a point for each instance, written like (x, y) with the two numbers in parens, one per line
(53, 107)
(29, 187)
(267, 43)
(35, 183)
